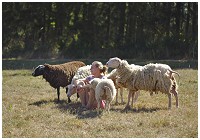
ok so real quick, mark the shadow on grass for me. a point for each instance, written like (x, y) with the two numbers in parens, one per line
(72, 108)
(42, 102)
(81, 113)
(142, 109)
(76, 109)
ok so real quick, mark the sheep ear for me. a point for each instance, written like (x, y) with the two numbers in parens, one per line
(119, 59)
(47, 67)
(42, 66)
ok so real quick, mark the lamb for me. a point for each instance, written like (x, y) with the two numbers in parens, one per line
(148, 78)
(81, 73)
(58, 75)
(104, 90)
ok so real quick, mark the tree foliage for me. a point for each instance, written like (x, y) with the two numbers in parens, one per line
(77, 30)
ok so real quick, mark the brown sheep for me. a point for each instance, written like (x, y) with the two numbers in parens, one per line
(58, 75)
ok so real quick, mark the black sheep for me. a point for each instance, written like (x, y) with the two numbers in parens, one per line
(58, 75)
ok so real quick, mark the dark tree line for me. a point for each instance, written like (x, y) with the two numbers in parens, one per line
(76, 30)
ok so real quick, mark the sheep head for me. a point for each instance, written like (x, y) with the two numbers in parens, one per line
(39, 70)
(114, 62)
(71, 90)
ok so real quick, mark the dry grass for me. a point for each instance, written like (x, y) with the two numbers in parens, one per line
(29, 109)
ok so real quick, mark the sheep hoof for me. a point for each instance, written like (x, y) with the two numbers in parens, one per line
(126, 108)
(69, 101)
(116, 103)
(99, 116)
(169, 108)
(57, 101)
(123, 103)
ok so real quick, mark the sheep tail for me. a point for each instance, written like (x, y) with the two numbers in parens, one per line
(171, 72)
(175, 73)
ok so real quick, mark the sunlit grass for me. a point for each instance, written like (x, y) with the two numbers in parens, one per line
(29, 109)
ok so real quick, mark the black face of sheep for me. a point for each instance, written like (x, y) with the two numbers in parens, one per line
(39, 70)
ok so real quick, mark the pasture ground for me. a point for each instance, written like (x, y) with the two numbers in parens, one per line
(30, 109)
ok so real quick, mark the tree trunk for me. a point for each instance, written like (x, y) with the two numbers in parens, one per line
(187, 31)
(194, 28)
(120, 40)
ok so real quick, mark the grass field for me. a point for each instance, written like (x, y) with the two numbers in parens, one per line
(29, 109)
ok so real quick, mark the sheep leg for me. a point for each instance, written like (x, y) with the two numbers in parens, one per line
(58, 93)
(116, 102)
(170, 100)
(176, 97)
(129, 96)
(77, 96)
(134, 97)
(156, 92)
(69, 100)
(98, 107)
(108, 106)
(121, 93)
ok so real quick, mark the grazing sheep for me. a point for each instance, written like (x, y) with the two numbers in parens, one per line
(148, 78)
(81, 73)
(58, 75)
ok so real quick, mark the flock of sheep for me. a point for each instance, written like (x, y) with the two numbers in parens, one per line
(151, 77)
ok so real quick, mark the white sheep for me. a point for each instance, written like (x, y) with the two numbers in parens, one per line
(104, 90)
(114, 76)
(165, 69)
(161, 69)
(148, 78)
(81, 73)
